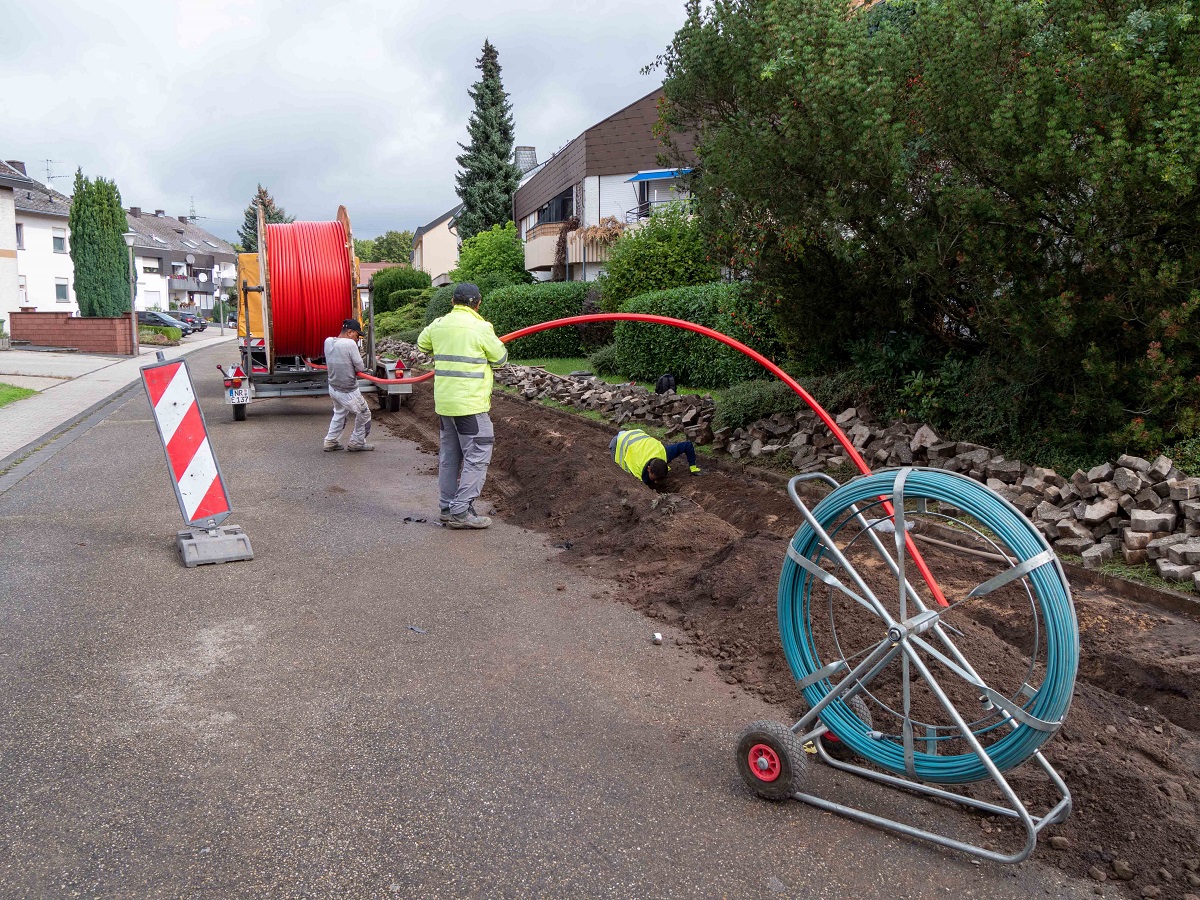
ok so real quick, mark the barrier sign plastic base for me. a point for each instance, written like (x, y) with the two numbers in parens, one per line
(202, 547)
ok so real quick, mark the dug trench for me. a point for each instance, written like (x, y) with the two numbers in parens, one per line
(705, 557)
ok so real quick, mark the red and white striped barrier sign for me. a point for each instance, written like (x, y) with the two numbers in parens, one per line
(199, 488)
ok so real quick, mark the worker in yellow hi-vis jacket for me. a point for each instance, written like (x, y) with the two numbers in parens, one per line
(647, 458)
(465, 350)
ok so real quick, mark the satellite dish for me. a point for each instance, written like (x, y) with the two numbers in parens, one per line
(202, 277)
(190, 259)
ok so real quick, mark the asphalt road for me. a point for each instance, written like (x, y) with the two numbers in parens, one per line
(276, 728)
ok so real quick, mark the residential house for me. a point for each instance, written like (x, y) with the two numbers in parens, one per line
(44, 267)
(11, 181)
(435, 247)
(179, 265)
(611, 170)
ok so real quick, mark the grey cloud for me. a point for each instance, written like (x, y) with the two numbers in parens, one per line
(355, 103)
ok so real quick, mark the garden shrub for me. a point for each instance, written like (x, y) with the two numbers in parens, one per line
(496, 251)
(605, 361)
(439, 304)
(647, 351)
(666, 251)
(398, 278)
(521, 305)
(167, 331)
(409, 336)
(402, 319)
(405, 297)
(749, 401)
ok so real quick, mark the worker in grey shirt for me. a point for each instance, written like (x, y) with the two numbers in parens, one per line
(344, 363)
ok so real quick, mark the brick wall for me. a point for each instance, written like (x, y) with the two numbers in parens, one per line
(60, 329)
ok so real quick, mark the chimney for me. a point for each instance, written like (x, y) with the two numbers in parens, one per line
(135, 211)
(160, 212)
(18, 165)
(183, 219)
(525, 158)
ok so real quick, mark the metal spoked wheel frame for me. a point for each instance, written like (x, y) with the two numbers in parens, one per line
(917, 690)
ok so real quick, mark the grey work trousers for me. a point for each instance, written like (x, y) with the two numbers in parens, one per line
(344, 403)
(463, 457)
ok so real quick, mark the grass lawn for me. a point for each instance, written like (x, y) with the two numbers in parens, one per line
(567, 365)
(11, 393)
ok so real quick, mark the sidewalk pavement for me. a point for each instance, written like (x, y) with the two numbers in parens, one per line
(27, 421)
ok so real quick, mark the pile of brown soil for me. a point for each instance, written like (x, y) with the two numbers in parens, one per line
(706, 558)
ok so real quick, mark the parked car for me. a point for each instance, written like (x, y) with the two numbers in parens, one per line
(197, 322)
(162, 320)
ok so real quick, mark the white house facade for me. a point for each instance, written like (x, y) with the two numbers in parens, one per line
(46, 273)
(610, 171)
(179, 265)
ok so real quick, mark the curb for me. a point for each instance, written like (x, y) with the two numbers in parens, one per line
(26, 459)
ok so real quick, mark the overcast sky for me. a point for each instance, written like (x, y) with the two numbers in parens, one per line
(356, 103)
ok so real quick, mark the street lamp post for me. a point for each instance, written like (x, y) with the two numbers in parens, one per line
(129, 236)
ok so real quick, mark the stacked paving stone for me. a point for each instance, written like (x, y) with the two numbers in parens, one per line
(1139, 510)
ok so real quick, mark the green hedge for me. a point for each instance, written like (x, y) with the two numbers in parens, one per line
(439, 304)
(398, 278)
(749, 401)
(521, 305)
(605, 361)
(647, 351)
(402, 319)
(167, 331)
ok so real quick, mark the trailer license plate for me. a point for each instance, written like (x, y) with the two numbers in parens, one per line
(237, 395)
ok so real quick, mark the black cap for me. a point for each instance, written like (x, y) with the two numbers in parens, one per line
(466, 293)
(352, 325)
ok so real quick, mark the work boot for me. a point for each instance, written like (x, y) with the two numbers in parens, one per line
(695, 470)
(330, 446)
(359, 448)
(468, 520)
(445, 516)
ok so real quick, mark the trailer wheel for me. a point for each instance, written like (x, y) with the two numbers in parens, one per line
(239, 412)
(389, 402)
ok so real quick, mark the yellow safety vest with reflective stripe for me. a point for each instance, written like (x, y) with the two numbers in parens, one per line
(636, 448)
(465, 349)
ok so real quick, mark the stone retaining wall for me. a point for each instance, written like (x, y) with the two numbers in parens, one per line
(1136, 509)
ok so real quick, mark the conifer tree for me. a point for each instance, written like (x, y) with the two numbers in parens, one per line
(272, 214)
(98, 252)
(488, 177)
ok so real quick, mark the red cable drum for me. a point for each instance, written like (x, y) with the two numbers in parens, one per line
(310, 285)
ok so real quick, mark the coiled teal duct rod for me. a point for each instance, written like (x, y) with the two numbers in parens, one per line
(1032, 721)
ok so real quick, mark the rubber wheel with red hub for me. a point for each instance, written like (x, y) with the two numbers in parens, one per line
(771, 760)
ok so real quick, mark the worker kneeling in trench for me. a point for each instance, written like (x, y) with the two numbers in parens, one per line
(647, 458)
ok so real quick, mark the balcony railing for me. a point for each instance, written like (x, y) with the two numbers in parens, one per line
(183, 283)
(645, 210)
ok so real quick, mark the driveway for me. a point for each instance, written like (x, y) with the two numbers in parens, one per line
(374, 706)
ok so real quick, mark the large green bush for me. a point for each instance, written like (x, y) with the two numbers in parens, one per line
(1018, 182)
(749, 401)
(439, 304)
(647, 350)
(666, 251)
(402, 319)
(397, 278)
(605, 360)
(516, 307)
(496, 251)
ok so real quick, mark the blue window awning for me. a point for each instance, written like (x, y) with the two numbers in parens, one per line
(658, 175)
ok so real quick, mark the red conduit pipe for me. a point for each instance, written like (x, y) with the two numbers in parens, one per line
(309, 273)
(783, 376)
